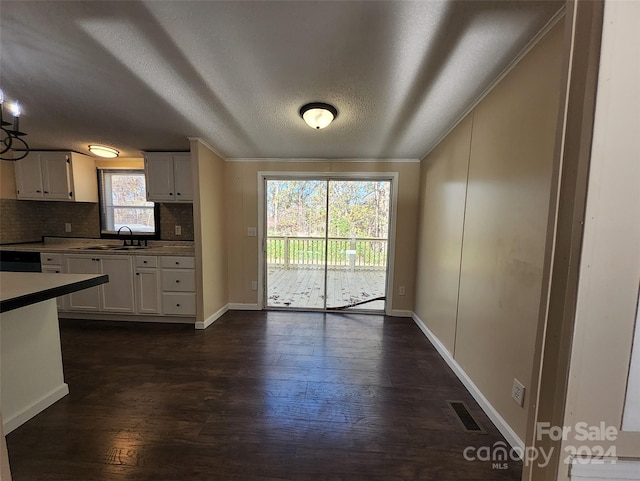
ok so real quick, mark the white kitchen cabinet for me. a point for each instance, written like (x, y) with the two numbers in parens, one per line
(178, 285)
(118, 293)
(56, 176)
(168, 176)
(147, 282)
(88, 299)
(115, 296)
(52, 264)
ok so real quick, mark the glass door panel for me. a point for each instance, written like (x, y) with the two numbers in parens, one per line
(296, 220)
(358, 228)
(326, 243)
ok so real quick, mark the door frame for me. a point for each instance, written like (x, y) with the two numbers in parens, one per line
(392, 177)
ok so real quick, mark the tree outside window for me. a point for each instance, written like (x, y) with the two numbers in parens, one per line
(123, 202)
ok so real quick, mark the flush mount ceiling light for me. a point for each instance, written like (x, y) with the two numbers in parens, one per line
(102, 151)
(318, 115)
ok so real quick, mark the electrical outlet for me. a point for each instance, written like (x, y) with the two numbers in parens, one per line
(252, 231)
(401, 290)
(178, 230)
(517, 392)
(254, 285)
(67, 227)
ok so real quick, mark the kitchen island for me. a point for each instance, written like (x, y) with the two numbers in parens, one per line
(31, 375)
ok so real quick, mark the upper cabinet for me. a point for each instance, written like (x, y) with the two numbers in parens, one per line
(58, 176)
(168, 176)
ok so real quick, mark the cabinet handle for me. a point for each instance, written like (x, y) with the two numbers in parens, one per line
(177, 305)
(179, 193)
(177, 281)
(170, 193)
(137, 273)
(177, 263)
(144, 262)
(48, 258)
(46, 191)
(38, 191)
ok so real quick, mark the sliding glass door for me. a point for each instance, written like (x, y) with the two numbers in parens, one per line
(326, 243)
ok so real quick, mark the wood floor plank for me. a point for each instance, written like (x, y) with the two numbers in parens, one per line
(257, 396)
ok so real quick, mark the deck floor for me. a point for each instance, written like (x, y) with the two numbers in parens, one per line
(303, 287)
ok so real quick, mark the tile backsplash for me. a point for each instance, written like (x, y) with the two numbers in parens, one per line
(29, 221)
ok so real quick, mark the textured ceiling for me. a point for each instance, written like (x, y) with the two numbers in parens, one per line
(146, 75)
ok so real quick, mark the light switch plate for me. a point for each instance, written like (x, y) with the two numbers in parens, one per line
(178, 230)
(252, 231)
(67, 227)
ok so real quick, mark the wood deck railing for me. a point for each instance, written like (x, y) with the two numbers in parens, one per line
(341, 252)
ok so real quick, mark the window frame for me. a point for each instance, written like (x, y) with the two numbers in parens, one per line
(106, 234)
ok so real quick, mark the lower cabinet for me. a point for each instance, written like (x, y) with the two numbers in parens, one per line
(87, 299)
(178, 286)
(147, 285)
(138, 284)
(115, 296)
(52, 264)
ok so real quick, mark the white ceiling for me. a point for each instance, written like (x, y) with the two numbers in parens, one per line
(146, 75)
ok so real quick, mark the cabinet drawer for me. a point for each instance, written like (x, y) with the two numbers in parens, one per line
(146, 261)
(52, 270)
(179, 304)
(182, 280)
(177, 262)
(47, 259)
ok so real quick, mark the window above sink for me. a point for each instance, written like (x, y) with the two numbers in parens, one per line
(123, 205)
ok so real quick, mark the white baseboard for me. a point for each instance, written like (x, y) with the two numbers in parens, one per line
(509, 434)
(605, 470)
(235, 306)
(399, 313)
(18, 419)
(212, 318)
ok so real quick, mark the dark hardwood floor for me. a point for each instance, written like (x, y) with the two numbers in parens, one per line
(256, 396)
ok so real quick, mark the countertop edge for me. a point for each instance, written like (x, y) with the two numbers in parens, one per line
(45, 294)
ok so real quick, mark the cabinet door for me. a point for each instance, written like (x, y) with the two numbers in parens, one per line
(87, 299)
(147, 291)
(182, 177)
(29, 177)
(56, 175)
(60, 301)
(159, 177)
(117, 294)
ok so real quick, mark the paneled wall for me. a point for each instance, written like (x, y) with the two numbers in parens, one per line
(483, 215)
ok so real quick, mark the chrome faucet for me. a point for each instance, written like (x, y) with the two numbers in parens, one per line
(123, 239)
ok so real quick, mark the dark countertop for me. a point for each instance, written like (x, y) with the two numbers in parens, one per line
(20, 289)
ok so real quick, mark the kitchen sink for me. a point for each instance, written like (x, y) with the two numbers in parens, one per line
(113, 248)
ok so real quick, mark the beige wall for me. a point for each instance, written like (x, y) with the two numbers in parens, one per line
(210, 217)
(7, 180)
(242, 205)
(510, 140)
(443, 181)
